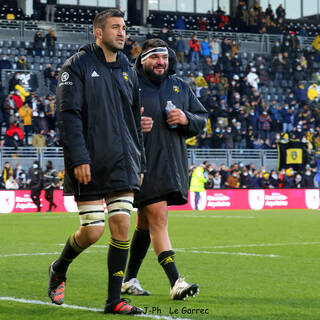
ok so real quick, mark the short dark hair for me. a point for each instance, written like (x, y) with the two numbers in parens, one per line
(101, 18)
(153, 43)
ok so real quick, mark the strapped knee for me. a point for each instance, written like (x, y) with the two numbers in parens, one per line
(91, 215)
(119, 205)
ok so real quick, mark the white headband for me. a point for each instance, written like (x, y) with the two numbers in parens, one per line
(152, 51)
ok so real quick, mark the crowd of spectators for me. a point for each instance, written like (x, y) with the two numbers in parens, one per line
(240, 176)
(231, 85)
(18, 178)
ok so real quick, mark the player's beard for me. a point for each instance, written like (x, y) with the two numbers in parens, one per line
(111, 47)
(153, 77)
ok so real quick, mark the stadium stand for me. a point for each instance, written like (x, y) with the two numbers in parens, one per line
(264, 87)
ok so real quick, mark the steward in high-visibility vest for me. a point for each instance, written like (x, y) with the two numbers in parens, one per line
(198, 180)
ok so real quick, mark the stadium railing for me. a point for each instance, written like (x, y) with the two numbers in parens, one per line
(81, 33)
(27, 155)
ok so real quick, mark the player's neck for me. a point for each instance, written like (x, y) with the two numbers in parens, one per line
(109, 55)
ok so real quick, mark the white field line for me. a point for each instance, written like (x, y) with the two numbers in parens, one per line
(211, 217)
(251, 245)
(36, 254)
(193, 250)
(230, 253)
(39, 302)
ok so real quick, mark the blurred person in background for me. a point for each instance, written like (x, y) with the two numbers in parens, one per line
(25, 113)
(50, 181)
(233, 180)
(51, 39)
(35, 183)
(198, 181)
(11, 183)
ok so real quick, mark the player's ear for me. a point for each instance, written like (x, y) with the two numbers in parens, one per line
(98, 33)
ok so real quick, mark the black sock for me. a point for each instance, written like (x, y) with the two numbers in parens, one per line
(70, 252)
(166, 259)
(117, 259)
(138, 250)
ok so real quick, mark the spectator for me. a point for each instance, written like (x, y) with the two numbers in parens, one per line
(11, 183)
(16, 97)
(308, 179)
(264, 182)
(14, 81)
(288, 179)
(51, 39)
(5, 63)
(172, 40)
(281, 12)
(25, 113)
(163, 35)
(245, 180)
(205, 47)
(39, 140)
(5, 173)
(214, 49)
(52, 140)
(216, 180)
(225, 47)
(180, 24)
(22, 64)
(128, 46)
(47, 74)
(38, 43)
(150, 34)
(202, 24)
(50, 112)
(233, 181)
(227, 139)
(21, 91)
(181, 48)
(265, 124)
(194, 45)
(50, 10)
(135, 50)
(274, 180)
(253, 78)
(14, 135)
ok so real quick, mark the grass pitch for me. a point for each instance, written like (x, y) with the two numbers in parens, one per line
(250, 265)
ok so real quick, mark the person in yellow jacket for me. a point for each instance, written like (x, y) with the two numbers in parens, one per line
(316, 43)
(201, 81)
(197, 183)
(26, 114)
(312, 92)
(23, 92)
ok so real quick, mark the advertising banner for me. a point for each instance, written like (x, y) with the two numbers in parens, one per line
(224, 199)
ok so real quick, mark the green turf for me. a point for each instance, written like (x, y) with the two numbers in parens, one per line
(232, 286)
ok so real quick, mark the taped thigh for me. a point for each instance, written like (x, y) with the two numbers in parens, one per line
(91, 215)
(119, 205)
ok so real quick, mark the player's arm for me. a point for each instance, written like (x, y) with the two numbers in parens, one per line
(69, 106)
(137, 108)
(195, 113)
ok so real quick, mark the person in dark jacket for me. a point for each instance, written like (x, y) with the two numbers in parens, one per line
(100, 130)
(166, 180)
(36, 183)
(50, 180)
(38, 43)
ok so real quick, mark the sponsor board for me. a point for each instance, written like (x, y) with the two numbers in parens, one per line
(224, 199)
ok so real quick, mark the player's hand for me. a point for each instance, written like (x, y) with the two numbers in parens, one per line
(177, 116)
(82, 173)
(146, 122)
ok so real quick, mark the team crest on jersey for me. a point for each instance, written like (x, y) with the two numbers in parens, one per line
(176, 89)
(125, 76)
(64, 76)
